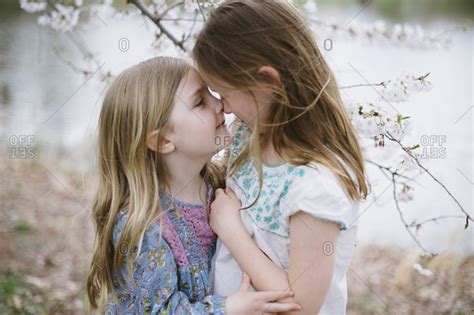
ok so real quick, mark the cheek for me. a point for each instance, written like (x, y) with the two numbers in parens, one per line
(199, 127)
(244, 108)
(198, 133)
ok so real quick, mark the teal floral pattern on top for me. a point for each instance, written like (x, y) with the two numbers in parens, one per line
(268, 212)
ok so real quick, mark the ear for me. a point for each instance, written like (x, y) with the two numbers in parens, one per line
(166, 146)
(271, 73)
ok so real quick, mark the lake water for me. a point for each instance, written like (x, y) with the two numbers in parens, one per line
(41, 96)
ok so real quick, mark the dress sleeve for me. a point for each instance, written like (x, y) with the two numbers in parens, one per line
(319, 193)
(156, 284)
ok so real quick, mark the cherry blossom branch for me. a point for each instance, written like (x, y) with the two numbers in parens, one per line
(200, 9)
(388, 169)
(361, 85)
(408, 151)
(168, 9)
(419, 224)
(411, 35)
(192, 28)
(157, 21)
(402, 218)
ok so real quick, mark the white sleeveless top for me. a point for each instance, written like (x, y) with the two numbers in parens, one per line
(286, 189)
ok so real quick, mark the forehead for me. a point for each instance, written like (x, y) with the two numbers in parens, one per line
(190, 84)
(215, 83)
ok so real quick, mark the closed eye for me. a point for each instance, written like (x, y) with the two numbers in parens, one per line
(200, 103)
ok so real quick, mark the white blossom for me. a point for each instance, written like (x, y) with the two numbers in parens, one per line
(105, 10)
(410, 35)
(406, 162)
(423, 271)
(366, 127)
(398, 126)
(209, 4)
(398, 90)
(63, 19)
(33, 6)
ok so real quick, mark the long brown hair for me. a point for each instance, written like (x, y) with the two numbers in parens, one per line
(307, 120)
(138, 102)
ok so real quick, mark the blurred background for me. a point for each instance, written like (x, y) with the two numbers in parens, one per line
(50, 98)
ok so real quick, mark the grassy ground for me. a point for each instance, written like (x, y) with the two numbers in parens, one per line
(46, 238)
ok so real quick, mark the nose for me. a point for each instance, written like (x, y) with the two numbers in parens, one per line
(226, 109)
(219, 107)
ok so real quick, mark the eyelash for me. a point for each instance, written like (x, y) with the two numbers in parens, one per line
(201, 102)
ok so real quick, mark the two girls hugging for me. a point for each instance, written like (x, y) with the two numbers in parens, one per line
(283, 202)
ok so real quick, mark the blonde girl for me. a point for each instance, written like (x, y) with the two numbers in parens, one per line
(158, 130)
(295, 166)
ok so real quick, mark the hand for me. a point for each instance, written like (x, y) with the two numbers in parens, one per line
(249, 302)
(225, 212)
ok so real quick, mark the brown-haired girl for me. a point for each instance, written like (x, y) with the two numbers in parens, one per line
(159, 127)
(295, 164)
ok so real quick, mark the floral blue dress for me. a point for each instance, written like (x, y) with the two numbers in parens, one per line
(171, 273)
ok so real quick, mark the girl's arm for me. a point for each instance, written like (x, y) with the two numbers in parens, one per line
(312, 248)
(157, 291)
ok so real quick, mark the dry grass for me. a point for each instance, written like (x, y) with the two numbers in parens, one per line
(382, 280)
(46, 238)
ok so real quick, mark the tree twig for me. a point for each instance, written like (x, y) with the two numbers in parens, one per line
(192, 28)
(388, 169)
(168, 9)
(408, 151)
(157, 21)
(417, 225)
(361, 85)
(200, 9)
(402, 218)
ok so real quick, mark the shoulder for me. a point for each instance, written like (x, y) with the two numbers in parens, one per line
(318, 191)
(314, 176)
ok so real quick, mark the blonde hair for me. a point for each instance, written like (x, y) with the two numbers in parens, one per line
(138, 102)
(307, 120)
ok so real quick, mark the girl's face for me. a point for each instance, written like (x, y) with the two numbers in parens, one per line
(244, 104)
(197, 119)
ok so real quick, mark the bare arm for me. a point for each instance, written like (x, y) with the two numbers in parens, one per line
(310, 267)
(312, 258)
(311, 261)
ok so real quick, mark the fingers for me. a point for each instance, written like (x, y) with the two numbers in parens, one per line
(269, 296)
(245, 282)
(281, 307)
(229, 192)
